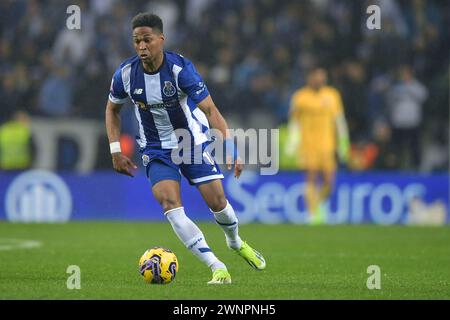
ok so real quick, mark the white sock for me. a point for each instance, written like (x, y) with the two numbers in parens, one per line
(228, 221)
(193, 238)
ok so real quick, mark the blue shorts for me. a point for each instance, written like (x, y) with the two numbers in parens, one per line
(159, 166)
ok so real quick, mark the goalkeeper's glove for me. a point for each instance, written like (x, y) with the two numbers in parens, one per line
(344, 149)
(293, 140)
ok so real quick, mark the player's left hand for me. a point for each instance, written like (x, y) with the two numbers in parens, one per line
(238, 166)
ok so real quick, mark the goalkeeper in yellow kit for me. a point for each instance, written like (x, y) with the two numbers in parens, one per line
(317, 127)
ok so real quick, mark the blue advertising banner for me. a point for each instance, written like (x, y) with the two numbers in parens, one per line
(379, 198)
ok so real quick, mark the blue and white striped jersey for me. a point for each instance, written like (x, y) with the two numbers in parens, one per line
(164, 101)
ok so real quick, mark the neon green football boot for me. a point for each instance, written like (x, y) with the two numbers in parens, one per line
(253, 257)
(220, 276)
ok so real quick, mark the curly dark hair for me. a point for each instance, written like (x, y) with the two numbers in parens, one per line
(146, 19)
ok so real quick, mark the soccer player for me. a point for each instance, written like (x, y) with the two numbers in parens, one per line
(169, 94)
(316, 121)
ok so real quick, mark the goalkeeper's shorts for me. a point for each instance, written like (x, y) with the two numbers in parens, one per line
(318, 160)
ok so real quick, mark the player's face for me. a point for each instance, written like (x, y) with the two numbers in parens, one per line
(148, 43)
(317, 79)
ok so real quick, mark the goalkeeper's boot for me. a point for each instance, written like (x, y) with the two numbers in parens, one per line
(220, 276)
(253, 257)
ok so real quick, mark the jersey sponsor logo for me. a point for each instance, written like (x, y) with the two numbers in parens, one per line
(169, 90)
(142, 105)
(164, 105)
(138, 91)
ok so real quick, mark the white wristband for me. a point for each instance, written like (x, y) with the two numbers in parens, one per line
(115, 147)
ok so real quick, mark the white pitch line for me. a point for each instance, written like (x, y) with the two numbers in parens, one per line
(12, 244)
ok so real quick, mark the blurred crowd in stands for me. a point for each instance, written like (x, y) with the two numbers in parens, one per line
(253, 55)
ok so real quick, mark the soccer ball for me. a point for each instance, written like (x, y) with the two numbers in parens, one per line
(158, 265)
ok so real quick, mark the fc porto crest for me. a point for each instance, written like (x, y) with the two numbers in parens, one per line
(169, 90)
(145, 160)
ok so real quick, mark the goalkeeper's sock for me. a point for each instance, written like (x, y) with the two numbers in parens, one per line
(312, 198)
(325, 192)
(192, 237)
(227, 220)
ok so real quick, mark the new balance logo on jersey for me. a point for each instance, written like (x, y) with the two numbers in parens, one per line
(138, 91)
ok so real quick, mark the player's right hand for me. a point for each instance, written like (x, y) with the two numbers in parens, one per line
(123, 164)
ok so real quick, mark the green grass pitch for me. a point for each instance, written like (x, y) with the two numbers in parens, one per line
(303, 262)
